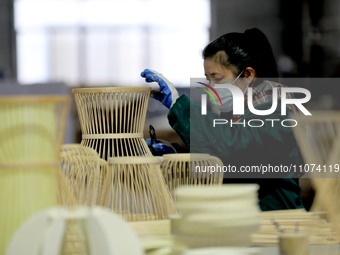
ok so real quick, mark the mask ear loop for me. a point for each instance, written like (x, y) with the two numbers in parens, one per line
(238, 76)
(237, 118)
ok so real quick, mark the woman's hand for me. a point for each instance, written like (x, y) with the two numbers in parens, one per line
(167, 94)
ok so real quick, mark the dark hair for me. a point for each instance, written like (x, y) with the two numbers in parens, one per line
(248, 49)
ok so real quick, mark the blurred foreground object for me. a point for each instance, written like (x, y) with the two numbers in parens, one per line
(318, 137)
(76, 231)
(31, 133)
(220, 216)
(274, 223)
(84, 172)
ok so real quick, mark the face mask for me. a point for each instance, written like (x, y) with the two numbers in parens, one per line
(226, 98)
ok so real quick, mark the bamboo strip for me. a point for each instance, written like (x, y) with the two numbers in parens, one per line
(321, 145)
(135, 188)
(181, 169)
(85, 172)
(112, 120)
(320, 230)
(31, 129)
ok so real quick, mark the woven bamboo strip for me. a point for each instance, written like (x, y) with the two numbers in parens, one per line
(319, 229)
(319, 140)
(190, 169)
(135, 188)
(74, 241)
(85, 172)
(112, 120)
(31, 131)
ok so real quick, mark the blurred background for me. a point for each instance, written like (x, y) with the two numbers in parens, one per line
(105, 42)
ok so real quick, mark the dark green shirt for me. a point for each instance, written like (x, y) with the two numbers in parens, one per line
(244, 146)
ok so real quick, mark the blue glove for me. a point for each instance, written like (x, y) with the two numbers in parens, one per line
(167, 94)
(158, 147)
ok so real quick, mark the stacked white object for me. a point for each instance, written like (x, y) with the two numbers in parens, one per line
(224, 215)
(224, 250)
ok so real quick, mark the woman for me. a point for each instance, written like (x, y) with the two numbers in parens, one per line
(243, 60)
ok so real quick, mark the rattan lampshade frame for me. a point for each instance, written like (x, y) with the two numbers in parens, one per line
(112, 119)
(135, 188)
(318, 137)
(85, 172)
(31, 133)
(180, 169)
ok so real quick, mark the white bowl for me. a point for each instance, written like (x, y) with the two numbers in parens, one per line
(209, 193)
(222, 207)
(224, 251)
(234, 236)
(218, 224)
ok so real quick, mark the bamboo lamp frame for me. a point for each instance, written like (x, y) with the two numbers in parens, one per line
(135, 188)
(66, 196)
(112, 119)
(318, 137)
(32, 128)
(31, 132)
(84, 171)
(181, 169)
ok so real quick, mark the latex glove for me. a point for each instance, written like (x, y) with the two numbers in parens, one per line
(167, 94)
(158, 147)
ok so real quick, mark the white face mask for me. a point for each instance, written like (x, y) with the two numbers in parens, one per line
(226, 98)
